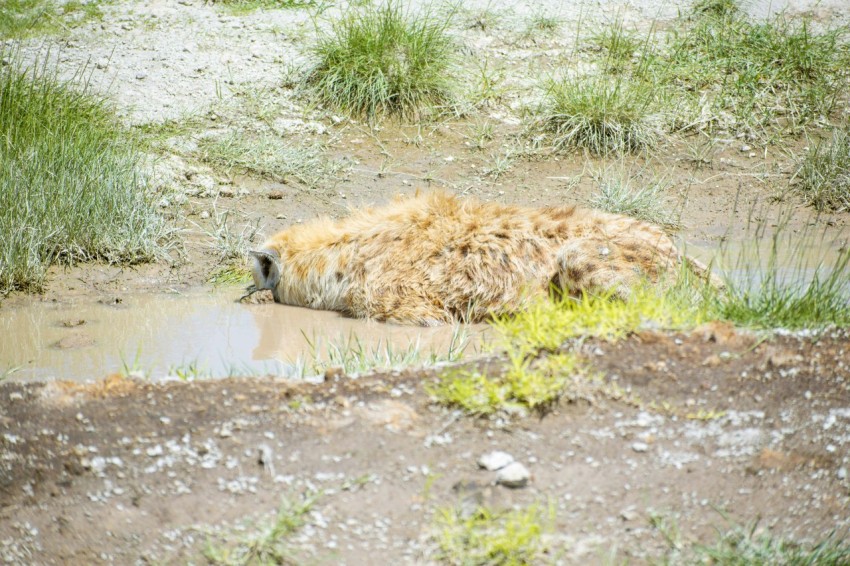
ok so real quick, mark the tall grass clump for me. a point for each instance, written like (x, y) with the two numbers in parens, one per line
(602, 114)
(617, 193)
(70, 181)
(778, 282)
(824, 174)
(382, 60)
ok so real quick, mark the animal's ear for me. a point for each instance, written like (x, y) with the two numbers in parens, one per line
(266, 268)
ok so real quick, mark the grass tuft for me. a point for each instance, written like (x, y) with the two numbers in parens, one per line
(524, 384)
(27, 18)
(824, 174)
(617, 194)
(745, 546)
(382, 60)
(601, 114)
(71, 187)
(488, 537)
(353, 356)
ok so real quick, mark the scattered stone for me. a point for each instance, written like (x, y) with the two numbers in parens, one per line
(102, 63)
(640, 447)
(841, 473)
(226, 192)
(745, 148)
(514, 475)
(204, 214)
(496, 460)
(276, 195)
(141, 75)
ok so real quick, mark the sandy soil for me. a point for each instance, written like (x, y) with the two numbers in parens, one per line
(126, 472)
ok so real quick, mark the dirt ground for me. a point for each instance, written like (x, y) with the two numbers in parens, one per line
(718, 427)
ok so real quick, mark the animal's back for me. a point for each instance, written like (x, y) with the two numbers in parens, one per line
(436, 258)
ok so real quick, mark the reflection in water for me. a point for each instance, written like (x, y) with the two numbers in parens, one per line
(195, 334)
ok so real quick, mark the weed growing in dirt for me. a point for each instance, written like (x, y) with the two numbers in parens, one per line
(618, 194)
(269, 156)
(382, 60)
(524, 384)
(71, 186)
(489, 537)
(602, 114)
(269, 543)
(824, 174)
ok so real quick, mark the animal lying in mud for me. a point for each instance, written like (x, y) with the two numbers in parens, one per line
(434, 259)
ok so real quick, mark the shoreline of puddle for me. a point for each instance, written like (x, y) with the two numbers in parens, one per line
(202, 333)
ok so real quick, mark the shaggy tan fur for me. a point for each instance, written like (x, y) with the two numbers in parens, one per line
(435, 258)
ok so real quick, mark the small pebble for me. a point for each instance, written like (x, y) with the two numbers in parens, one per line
(496, 460)
(640, 446)
(514, 475)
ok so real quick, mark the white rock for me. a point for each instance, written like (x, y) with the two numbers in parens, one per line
(513, 475)
(102, 63)
(496, 460)
(640, 447)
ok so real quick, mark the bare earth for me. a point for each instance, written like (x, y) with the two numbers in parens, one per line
(127, 472)
(720, 427)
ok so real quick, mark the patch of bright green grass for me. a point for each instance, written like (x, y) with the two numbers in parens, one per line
(537, 374)
(824, 174)
(602, 114)
(266, 544)
(524, 384)
(71, 186)
(547, 324)
(494, 538)
(382, 60)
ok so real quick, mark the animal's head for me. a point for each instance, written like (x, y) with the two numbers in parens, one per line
(266, 268)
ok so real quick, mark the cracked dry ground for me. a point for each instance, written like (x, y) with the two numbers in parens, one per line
(718, 423)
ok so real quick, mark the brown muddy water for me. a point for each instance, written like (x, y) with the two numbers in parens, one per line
(204, 333)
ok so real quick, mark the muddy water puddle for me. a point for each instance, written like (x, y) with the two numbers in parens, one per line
(204, 334)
